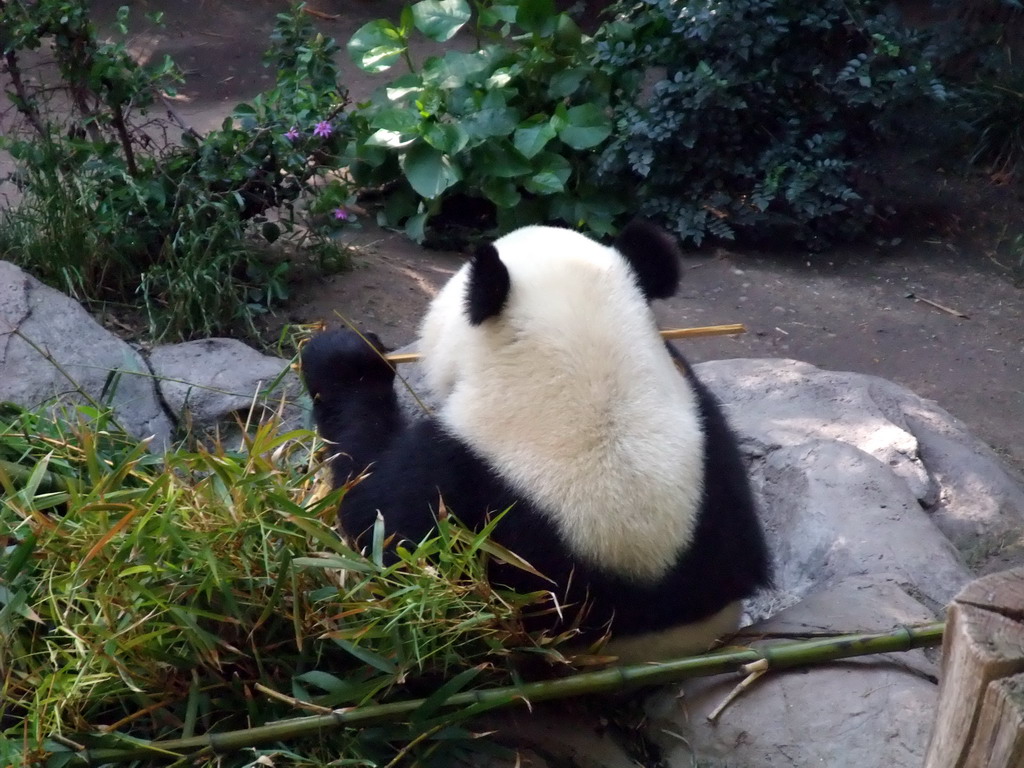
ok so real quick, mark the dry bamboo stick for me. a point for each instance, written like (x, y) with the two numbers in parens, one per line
(668, 333)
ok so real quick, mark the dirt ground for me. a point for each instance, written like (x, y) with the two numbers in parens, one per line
(860, 309)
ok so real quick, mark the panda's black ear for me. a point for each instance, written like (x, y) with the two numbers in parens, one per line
(654, 256)
(488, 285)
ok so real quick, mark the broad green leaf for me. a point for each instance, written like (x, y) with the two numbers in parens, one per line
(587, 127)
(491, 15)
(493, 118)
(406, 21)
(568, 32)
(429, 172)
(502, 192)
(399, 206)
(389, 139)
(440, 19)
(404, 87)
(537, 16)
(449, 138)
(455, 68)
(500, 159)
(553, 171)
(415, 227)
(396, 119)
(376, 46)
(533, 135)
(566, 82)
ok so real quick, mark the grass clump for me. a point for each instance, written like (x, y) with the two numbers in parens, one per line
(146, 597)
(122, 202)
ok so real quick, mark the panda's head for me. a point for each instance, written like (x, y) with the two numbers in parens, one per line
(543, 292)
(546, 359)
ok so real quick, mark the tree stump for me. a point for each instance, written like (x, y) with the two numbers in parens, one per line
(980, 718)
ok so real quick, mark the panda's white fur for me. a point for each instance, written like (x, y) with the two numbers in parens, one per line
(580, 384)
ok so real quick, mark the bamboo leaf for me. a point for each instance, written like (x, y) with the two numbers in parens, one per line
(433, 703)
(367, 656)
(119, 526)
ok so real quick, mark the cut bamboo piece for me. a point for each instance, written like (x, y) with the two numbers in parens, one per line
(668, 333)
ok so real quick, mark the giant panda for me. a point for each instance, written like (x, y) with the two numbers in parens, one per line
(558, 401)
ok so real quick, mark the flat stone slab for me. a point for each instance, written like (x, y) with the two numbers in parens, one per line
(212, 381)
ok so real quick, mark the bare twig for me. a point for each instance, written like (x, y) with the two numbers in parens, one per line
(668, 333)
(24, 102)
(941, 307)
(755, 672)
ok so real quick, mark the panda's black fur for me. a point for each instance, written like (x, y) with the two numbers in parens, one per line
(413, 465)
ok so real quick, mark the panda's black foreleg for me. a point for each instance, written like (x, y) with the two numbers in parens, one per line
(354, 400)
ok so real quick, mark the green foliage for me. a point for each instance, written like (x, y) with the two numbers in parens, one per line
(767, 108)
(512, 124)
(146, 597)
(113, 212)
(997, 125)
(759, 127)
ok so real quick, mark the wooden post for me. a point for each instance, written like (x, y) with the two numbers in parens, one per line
(980, 717)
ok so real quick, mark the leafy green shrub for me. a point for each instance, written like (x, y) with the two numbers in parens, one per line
(764, 114)
(758, 127)
(111, 211)
(146, 597)
(511, 125)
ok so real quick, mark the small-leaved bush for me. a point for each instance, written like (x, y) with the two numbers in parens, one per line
(117, 208)
(766, 113)
(152, 597)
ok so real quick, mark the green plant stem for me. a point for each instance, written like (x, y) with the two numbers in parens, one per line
(50, 483)
(780, 656)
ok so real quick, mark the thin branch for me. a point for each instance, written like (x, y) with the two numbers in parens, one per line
(177, 118)
(126, 140)
(23, 103)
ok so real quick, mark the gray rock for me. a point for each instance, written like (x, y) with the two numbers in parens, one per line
(966, 492)
(965, 485)
(872, 711)
(832, 511)
(53, 352)
(210, 382)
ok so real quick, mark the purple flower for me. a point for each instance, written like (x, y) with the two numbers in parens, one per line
(323, 129)
(340, 214)
(292, 134)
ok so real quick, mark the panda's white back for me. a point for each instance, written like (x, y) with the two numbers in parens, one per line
(570, 395)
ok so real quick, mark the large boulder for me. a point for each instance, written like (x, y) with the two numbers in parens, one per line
(52, 352)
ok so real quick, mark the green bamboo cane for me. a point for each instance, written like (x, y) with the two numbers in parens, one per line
(780, 656)
(20, 475)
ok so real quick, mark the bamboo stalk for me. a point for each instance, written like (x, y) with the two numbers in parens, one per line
(780, 656)
(20, 475)
(668, 333)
